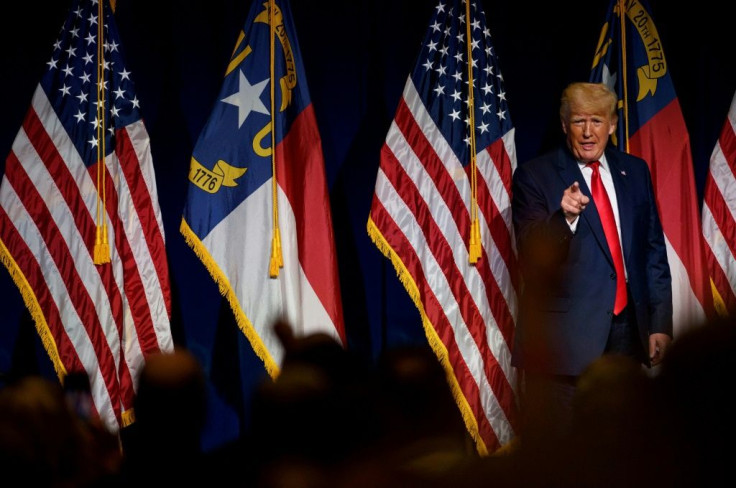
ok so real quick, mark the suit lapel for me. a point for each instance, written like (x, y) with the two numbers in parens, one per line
(569, 171)
(623, 197)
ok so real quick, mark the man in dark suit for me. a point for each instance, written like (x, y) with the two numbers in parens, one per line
(590, 288)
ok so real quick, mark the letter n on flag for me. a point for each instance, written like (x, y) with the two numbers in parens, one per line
(80, 226)
(259, 219)
(719, 217)
(441, 213)
(630, 59)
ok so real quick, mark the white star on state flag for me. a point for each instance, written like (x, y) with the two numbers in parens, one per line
(247, 98)
(608, 78)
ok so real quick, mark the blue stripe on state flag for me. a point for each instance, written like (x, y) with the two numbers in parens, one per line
(648, 83)
(242, 113)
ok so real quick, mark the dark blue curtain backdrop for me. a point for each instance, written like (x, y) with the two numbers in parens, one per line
(357, 56)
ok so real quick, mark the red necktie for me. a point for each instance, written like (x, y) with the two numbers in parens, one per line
(600, 196)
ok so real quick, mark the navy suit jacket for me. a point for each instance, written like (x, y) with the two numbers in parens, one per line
(569, 280)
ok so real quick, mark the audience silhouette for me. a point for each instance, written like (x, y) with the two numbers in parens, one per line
(695, 382)
(163, 443)
(328, 420)
(314, 416)
(43, 442)
(617, 431)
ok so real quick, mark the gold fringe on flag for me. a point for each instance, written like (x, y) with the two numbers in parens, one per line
(226, 290)
(31, 301)
(438, 347)
(718, 303)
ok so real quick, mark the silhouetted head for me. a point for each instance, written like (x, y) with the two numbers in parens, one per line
(171, 397)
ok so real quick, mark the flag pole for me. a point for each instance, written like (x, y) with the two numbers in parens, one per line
(624, 73)
(101, 253)
(474, 248)
(277, 260)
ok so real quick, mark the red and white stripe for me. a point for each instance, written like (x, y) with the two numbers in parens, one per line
(719, 217)
(420, 217)
(103, 319)
(664, 143)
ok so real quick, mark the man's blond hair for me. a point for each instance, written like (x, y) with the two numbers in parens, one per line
(594, 98)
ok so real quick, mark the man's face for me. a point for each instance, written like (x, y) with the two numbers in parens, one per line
(587, 134)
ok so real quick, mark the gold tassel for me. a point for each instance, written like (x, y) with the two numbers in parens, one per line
(102, 247)
(475, 250)
(277, 260)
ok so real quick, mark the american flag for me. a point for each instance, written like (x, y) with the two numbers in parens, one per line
(719, 217)
(102, 319)
(630, 59)
(427, 195)
(242, 195)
